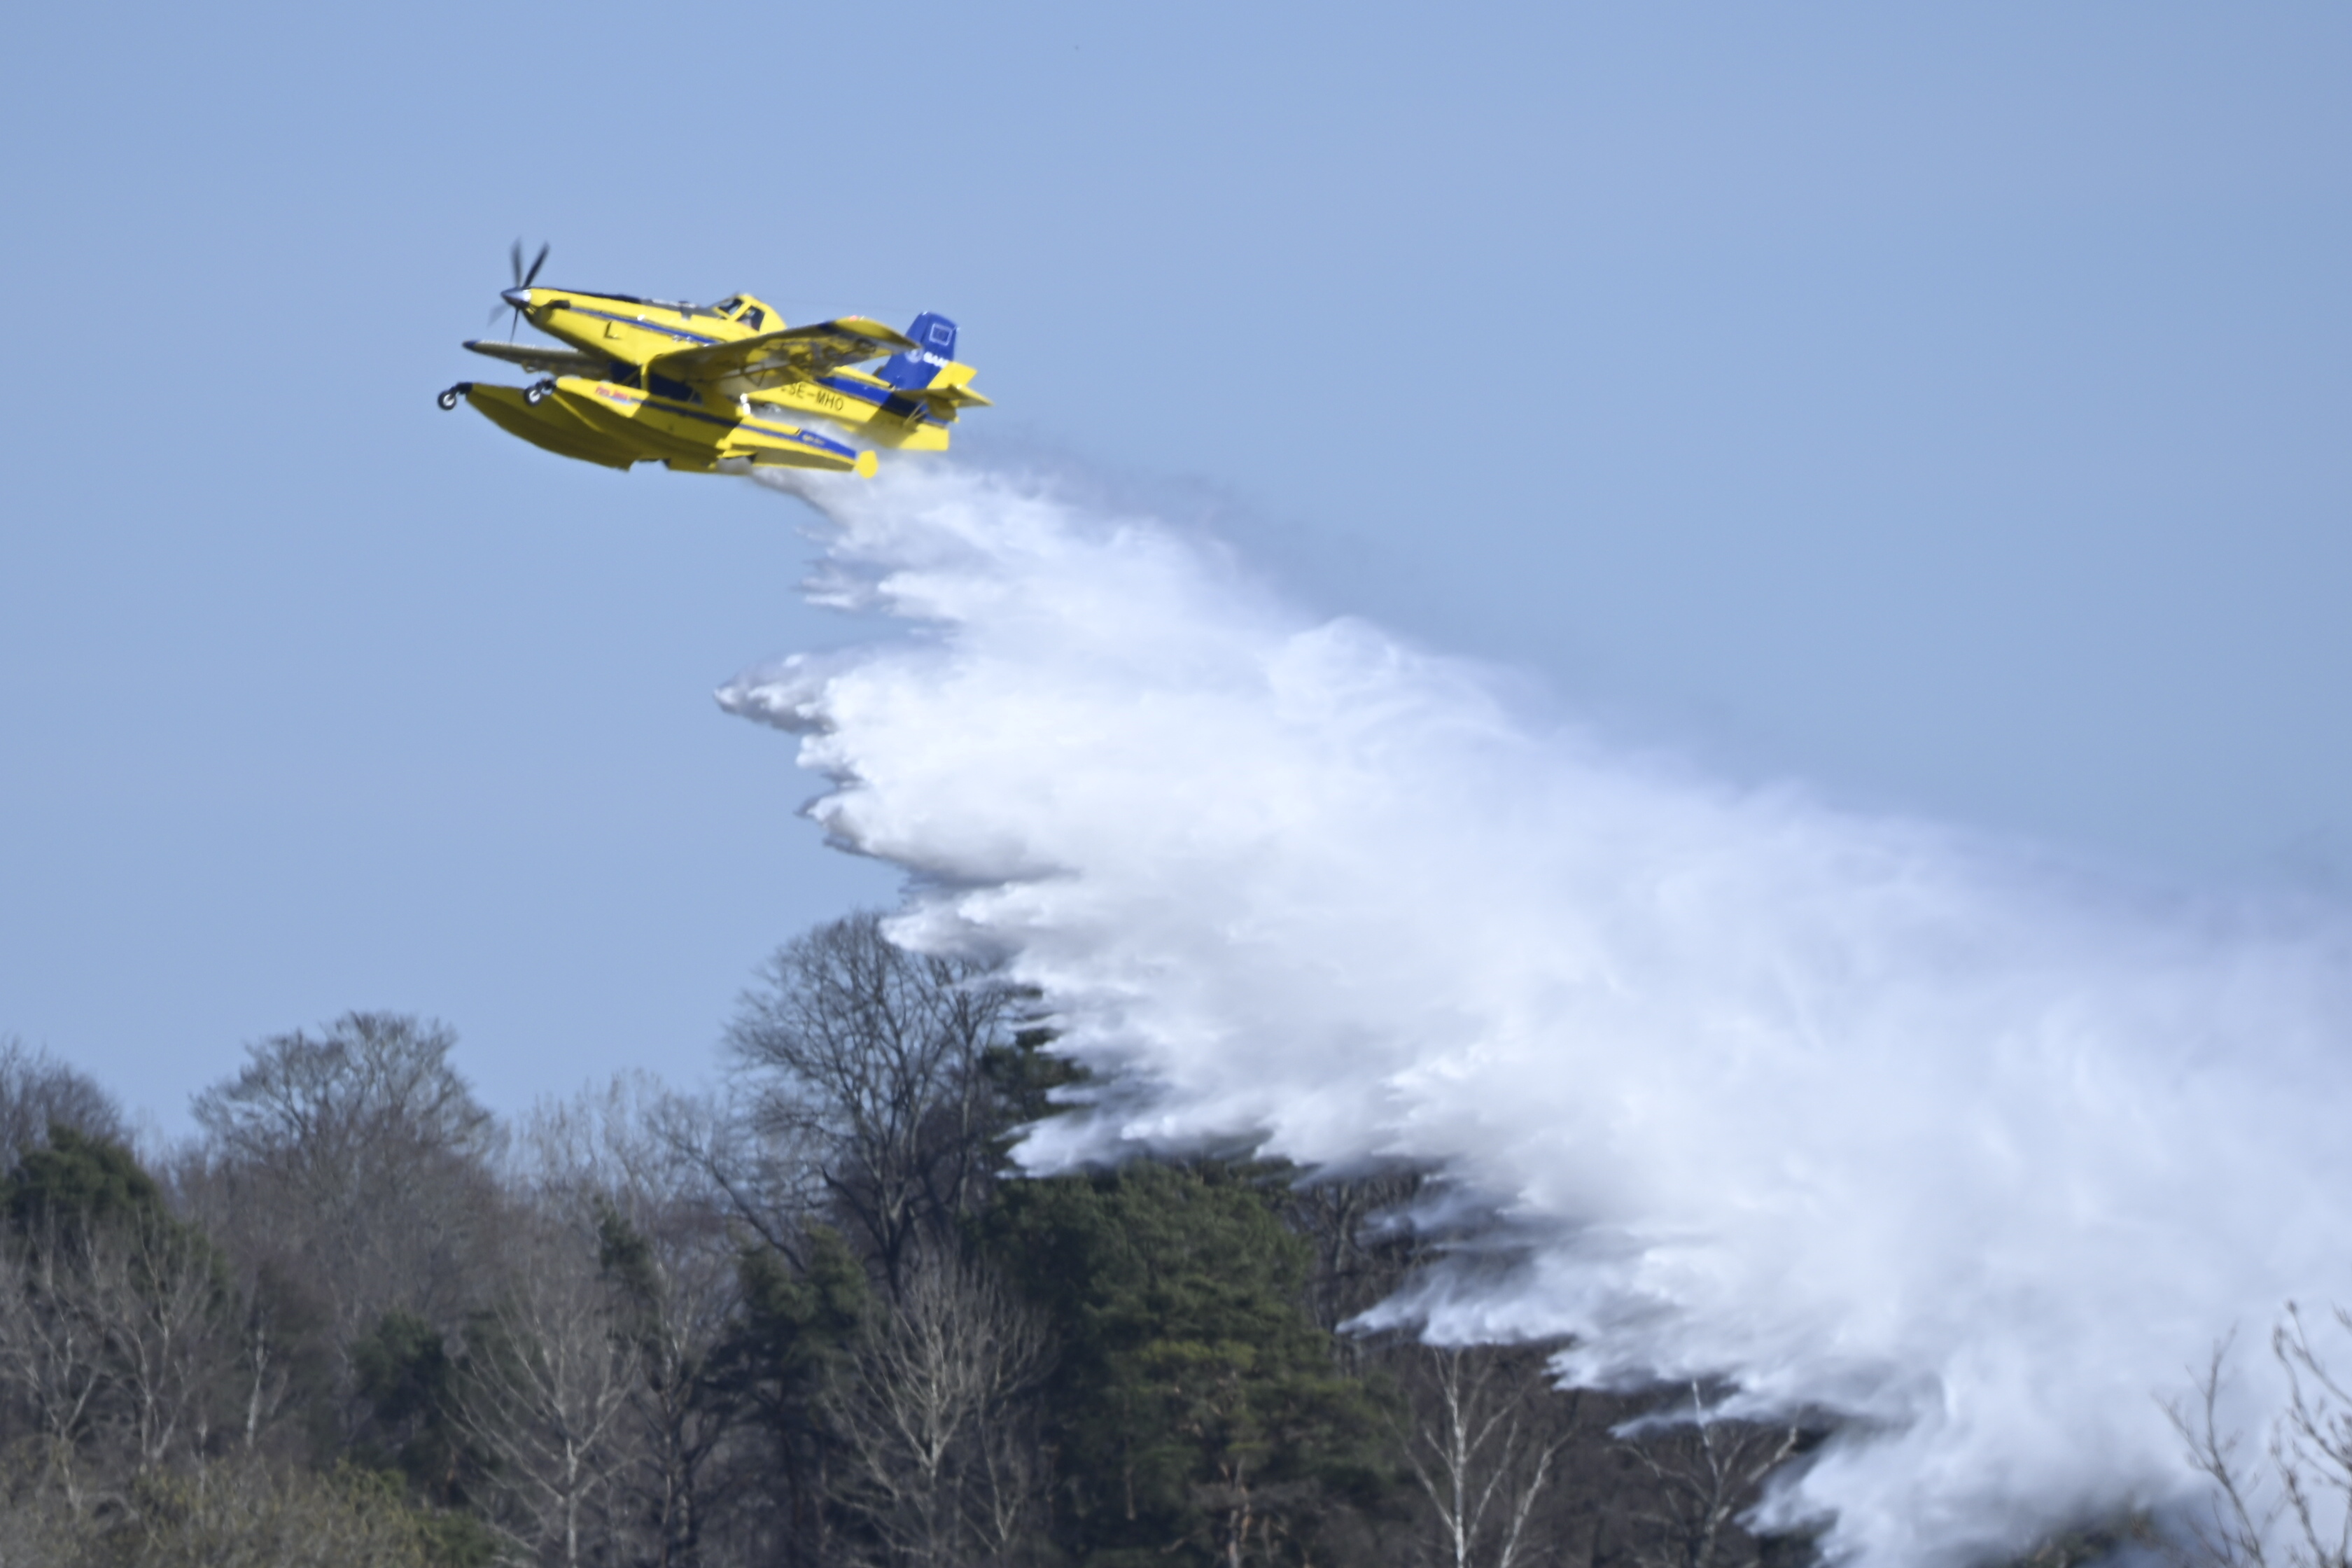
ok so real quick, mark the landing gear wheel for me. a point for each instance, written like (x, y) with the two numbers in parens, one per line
(448, 399)
(536, 391)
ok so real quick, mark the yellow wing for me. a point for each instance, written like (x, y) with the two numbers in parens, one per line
(772, 359)
(542, 358)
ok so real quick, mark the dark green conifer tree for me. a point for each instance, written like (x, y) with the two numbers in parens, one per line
(797, 1315)
(1198, 1411)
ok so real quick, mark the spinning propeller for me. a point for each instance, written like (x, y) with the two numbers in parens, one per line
(522, 281)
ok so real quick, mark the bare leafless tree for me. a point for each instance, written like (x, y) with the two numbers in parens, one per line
(549, 1372)
(2232, 1528)
(269, 1349)
(53, 1348)
(1484, 1432)
(353, 1168)
(930, 1410)
(155, 1291)
(768, 1177)
(667, 1255)
(365, 1149)
(1365, 1247)
(870, 1057)
(2292, 1504)
(115, 1339)
(1706, 1471)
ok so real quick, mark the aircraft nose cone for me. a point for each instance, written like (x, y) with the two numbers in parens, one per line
(518, 298)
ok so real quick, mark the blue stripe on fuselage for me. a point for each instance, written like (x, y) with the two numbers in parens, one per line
(857, 389)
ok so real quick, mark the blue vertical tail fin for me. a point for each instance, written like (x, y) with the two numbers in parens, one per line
(937, 336)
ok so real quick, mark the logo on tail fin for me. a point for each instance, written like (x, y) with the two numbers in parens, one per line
(937, 335)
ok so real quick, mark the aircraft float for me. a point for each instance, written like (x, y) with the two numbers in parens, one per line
(716, 388)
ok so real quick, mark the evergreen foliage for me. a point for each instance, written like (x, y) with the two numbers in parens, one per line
(1198, 1410)
(78, 1183)
(402, 1371)
(797, 1317)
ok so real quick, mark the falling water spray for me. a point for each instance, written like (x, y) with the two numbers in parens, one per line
(1865, 1119)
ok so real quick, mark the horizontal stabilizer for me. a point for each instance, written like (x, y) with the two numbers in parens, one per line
(942, 404)
(955, 397)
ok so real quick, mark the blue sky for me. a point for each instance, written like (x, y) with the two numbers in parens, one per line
(1945, 409)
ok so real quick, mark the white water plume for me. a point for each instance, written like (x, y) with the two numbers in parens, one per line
(1863, 1116)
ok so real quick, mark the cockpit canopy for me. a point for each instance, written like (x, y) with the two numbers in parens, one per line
(744, 309)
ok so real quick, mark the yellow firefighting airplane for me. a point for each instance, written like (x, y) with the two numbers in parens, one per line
(714, 389)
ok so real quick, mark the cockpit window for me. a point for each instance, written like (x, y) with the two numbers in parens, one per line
(727, 307)
(753, 316)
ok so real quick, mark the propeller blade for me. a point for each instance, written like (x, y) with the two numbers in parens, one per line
(522, 279)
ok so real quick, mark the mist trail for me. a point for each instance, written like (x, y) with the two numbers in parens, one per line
(1859, 1114)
